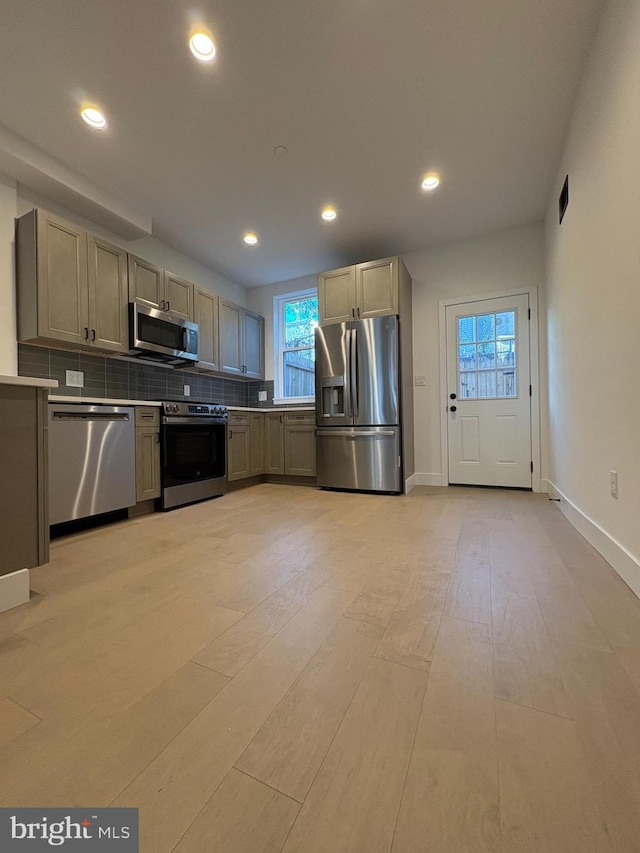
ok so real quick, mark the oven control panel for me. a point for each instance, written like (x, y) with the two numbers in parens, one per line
(195, 410)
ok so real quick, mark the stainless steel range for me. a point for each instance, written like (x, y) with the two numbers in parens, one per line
(194, 465)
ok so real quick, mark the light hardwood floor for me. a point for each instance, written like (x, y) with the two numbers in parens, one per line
(286, 669)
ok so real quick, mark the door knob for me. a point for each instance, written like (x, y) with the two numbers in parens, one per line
(453, 408)
(453, 396)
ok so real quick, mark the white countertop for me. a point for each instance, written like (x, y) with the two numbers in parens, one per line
(107, 401)
(273, 409)
(114, 401)
(28, 382)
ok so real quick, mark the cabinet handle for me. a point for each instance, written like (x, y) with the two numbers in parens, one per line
(158, 438)
(230, 434)
(358, 310)
(162, 304)
(168, 306)
(93, 334)
(280, 418)
(86, 333)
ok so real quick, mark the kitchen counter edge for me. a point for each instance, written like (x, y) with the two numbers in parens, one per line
(28, 381)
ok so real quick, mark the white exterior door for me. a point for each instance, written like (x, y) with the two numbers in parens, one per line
(489, 392)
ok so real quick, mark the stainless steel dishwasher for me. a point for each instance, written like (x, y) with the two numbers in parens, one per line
(92, 464)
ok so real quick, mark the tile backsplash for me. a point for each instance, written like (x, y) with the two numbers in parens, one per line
(130, 380)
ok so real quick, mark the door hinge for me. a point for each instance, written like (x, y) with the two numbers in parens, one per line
(532, 467)
(529, 313)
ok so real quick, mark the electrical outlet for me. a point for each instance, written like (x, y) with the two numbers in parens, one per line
(613, 482)
(74, 378)
(187, 390)
(262, 396)
(420, 380)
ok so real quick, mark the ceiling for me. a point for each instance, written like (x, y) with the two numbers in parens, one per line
(366, 96)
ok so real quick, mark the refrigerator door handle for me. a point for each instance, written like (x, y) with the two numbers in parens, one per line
(353, 362)
(360, 433)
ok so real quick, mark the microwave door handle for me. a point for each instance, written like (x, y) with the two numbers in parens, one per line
(185, 340)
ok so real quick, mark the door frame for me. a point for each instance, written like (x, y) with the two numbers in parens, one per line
(534, 367)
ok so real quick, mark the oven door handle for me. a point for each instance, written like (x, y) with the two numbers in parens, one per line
(178, 420)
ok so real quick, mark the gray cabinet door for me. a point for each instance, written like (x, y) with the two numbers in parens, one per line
(179, 296)
(274, 443)
(108, 295)
(256, 432)
(300, 450)
(253, 339)
(336, 295)
(238, 453)
(377, 288)
(231, 333)
(207, 320)
(147, 463)
(146, 283)
(61, 280)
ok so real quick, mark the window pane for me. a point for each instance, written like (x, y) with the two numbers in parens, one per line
(486, 355)
(466, 329)
(506, 383)
(300, 318)
(486, 327)
(506, 353)
(467, 385)
(486, 383)
(299, 373)
(467, 354)
(506, 324)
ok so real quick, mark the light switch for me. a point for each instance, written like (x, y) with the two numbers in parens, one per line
(262, 396)
(420, 380)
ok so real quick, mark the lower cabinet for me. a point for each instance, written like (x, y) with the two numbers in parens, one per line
(271, 443)
(290, 443)
(147, 453)
(256, 443)
(238, 447)
(300, 444)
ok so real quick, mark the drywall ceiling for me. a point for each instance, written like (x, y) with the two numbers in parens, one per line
(366, 96)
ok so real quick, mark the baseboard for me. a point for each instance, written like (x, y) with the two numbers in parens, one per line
(409, 483)
(14, 589)
(622, 560)
(427, 479)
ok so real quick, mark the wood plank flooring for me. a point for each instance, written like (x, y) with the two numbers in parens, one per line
(286, 670)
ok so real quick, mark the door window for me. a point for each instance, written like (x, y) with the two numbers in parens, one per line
(487, 355)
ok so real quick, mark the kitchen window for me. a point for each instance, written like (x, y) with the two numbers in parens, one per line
(295, 319)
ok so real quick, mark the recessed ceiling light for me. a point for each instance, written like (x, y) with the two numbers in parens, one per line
(329, 214)
(430, 181)
(250, 239)
(93, 117)
(202, 47)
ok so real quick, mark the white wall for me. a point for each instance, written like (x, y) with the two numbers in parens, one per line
(147, 247)
(260, 300)
(8, 349)
(498, 262)
(594, 299)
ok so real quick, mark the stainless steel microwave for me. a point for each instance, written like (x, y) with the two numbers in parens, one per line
(161, 336)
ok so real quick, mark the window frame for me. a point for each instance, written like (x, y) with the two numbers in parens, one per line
(279, 347)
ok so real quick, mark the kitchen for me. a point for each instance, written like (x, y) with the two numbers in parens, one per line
(237, 655)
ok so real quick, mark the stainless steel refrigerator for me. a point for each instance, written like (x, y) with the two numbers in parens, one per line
(358, 443)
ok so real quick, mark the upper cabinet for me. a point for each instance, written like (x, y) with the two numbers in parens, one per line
(208, 338)
(371, 289)
(72, 286)
(241, 341)
(160, 288)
